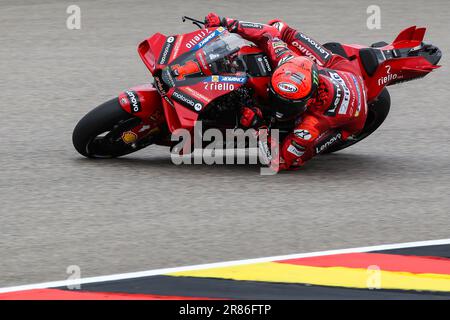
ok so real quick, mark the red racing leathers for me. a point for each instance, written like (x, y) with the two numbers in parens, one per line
(338, 109)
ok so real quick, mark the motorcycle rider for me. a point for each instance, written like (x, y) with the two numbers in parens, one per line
(324, 91)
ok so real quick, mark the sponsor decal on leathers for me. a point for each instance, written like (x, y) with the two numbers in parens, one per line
(317, 49)
(285, 59)
(303, 134)
(292, 149)
(279, 44)
(251, 25)
(337, 97)
(346, 98)
(358, 108)
(328, 142)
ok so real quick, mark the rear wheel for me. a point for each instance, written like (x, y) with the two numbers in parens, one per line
(377, 113)
(99, 133)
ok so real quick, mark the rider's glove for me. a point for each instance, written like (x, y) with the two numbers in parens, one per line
(251, 117)
(279, 24)
(212, 20)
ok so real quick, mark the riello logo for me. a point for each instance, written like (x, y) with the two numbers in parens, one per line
(197, 38)
(388, 78)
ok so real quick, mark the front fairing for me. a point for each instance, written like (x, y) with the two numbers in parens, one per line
(194, 69)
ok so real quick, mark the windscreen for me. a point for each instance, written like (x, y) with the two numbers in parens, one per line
(224, 45)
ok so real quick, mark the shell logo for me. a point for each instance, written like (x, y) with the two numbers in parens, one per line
(129, 137)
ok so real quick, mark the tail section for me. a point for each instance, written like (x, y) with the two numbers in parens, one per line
(410, 37)
(406, 58)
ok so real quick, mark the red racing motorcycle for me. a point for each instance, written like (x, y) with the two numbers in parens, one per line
(210, 74)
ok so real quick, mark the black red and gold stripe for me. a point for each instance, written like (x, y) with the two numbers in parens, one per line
(411, 273)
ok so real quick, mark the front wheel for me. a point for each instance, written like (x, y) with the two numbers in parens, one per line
(377, 113)
(99, 133)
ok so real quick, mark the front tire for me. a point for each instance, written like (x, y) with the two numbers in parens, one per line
(98, 133)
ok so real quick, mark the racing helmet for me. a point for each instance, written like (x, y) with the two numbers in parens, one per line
(292, 84)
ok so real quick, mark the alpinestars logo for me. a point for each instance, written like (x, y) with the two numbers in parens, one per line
(303, 134)
(285, 59)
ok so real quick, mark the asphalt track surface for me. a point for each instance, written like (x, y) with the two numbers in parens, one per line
(142, 212)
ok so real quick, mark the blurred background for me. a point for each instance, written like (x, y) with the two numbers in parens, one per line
(141, 211)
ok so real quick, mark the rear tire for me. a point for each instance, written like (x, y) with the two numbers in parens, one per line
(377, 113)
(108, 118)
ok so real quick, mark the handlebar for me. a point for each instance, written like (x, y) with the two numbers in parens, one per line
(198, 23)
